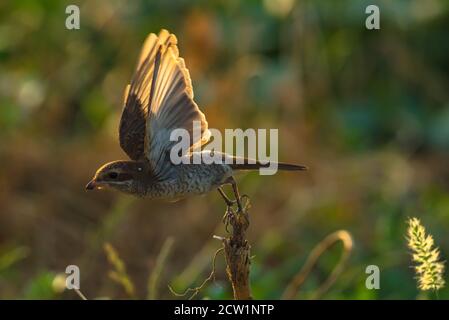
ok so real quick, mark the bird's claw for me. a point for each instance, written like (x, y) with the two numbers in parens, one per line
(241, 212)
(230, 203)
(227, 217)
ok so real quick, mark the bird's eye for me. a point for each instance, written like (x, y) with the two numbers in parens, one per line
(113, 175)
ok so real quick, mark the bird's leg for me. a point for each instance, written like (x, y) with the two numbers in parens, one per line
(236, 193)
(229, 211)
(229, 204)
(228, 201)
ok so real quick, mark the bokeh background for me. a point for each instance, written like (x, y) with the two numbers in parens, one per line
(367, 111)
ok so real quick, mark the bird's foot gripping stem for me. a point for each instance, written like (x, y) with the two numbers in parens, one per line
(237, 217)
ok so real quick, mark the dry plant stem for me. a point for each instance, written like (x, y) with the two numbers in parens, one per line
(328, 242)
(237, 254)
(196, 290)
(80, 294)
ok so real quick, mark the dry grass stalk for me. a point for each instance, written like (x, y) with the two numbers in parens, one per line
(153, 280)
(80, 294)
(328, 242)
(119, 273)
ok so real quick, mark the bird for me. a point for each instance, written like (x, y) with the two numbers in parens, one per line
(159, 99)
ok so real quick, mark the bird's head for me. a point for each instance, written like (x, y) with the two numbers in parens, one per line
(126, 176)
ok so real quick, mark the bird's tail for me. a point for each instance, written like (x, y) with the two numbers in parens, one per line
(255, 166)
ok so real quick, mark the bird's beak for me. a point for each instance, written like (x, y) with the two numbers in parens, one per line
(91, 185)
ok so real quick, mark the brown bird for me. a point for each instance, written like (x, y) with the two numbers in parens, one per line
(158, 100)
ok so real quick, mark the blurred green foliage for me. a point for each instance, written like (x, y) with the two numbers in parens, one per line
(368, 111)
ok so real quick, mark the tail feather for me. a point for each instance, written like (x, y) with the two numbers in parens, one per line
(258, 165)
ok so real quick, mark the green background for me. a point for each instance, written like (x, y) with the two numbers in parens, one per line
(366, 110)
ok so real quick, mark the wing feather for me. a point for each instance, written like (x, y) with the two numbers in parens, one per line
(132, 126)
(171, 107)
(158, 100)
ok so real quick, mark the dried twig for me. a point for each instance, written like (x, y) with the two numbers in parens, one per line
(294, 286)
(80, 294)
(196, 290)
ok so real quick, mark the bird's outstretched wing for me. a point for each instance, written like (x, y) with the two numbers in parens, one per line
(171, 107)
(159, 100)
(136, 98)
